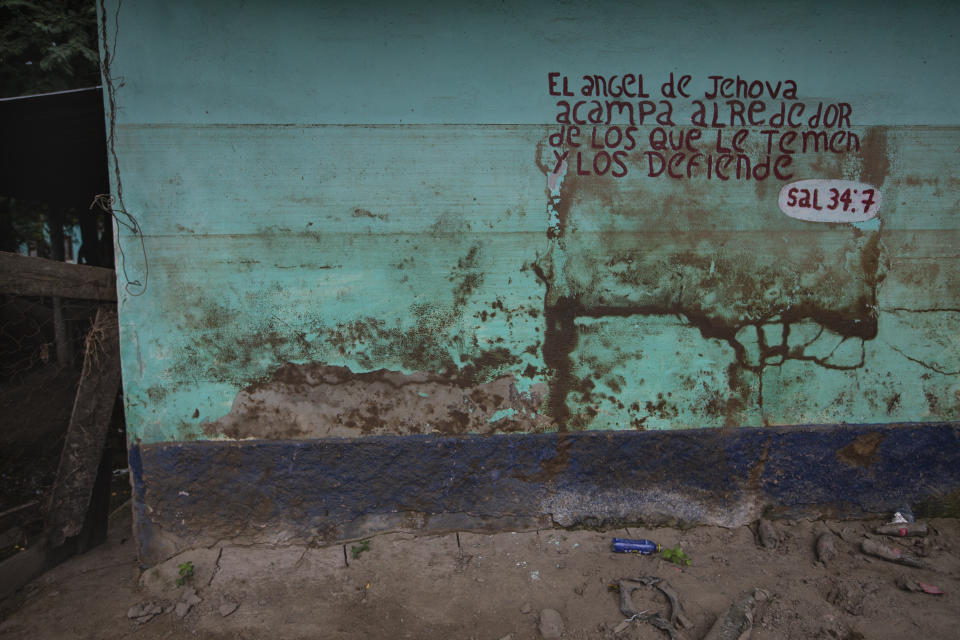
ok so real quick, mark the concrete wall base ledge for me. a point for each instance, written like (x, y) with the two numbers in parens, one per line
(324, 491)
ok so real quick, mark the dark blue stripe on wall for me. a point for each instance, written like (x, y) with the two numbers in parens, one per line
(198, 493)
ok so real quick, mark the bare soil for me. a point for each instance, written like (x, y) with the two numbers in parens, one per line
(470, 585)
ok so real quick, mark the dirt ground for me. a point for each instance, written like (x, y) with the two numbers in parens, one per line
(489, 587)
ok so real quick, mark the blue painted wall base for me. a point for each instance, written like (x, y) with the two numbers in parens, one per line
(328, 490)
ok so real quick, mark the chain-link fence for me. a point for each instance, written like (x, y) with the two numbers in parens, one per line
(39, 333)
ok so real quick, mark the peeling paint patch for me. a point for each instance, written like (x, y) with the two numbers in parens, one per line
(365, 213)
(509, 412)
(862, 452)
(318, 400)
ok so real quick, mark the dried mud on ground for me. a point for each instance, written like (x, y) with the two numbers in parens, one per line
(490, 587)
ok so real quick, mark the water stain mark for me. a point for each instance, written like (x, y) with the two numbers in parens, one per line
(759, 293)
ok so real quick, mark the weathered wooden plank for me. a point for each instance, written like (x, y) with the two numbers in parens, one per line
(29, 276)
(87, 432)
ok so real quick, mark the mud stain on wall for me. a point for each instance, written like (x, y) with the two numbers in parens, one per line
(798, 292)
(318, 400)
(862, 452)
(630, 278)
(876, 158)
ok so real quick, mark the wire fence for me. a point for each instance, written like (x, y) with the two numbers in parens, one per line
(39, 333)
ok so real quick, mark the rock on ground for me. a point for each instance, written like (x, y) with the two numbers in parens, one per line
(768, 535)
(550, 625)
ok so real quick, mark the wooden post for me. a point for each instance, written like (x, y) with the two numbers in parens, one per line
(62, 334)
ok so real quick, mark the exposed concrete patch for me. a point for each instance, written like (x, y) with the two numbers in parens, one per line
(651, 505)
(862, 452)
(316, 400)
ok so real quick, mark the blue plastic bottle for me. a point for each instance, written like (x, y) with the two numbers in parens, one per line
(643, 547)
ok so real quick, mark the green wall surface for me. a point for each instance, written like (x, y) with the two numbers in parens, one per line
(359, 219)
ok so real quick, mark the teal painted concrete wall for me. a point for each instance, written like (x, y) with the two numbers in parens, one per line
(354, 220)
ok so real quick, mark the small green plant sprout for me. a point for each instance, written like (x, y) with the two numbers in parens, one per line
(356, 550)
(676, 556)
(185, 573)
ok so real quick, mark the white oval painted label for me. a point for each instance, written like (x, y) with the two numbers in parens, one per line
(830, 200)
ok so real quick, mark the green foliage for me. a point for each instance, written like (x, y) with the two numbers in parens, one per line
(47, 45)
(186, 573)
(356, 550)
(676, 556)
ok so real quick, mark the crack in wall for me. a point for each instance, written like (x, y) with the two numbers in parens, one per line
(924, 364)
